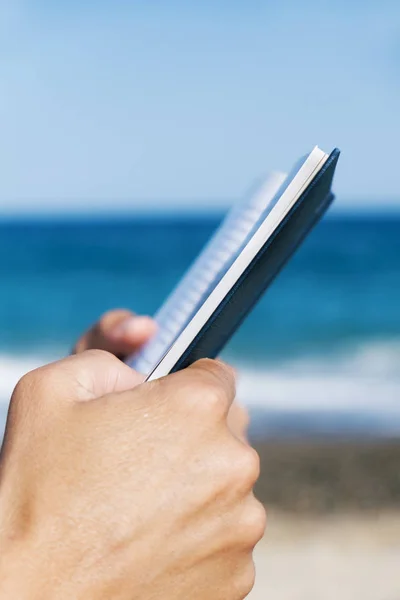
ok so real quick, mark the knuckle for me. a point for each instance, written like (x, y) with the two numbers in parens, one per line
(34, 380)
(244, 580)
(214, 398)
(211, 399)
(247, 467)
(32, 388)
(102, 358)
(218, 367)
(100, 355)
(253, 524)
(217, 371)
(25, 383)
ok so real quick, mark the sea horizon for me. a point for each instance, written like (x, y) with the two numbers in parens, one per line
(158, 209)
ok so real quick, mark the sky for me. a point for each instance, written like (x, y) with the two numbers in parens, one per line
(150, 104)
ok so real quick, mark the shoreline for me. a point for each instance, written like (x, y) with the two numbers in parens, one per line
(317, 476)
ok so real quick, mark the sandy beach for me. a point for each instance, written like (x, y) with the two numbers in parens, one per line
(333, 520)
(351, 557)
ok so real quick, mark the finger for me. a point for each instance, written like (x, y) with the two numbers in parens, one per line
(91, 374)
(96, 336)
(239, 421)
(203, 380)
(119, 332)
(132, 331)
(222, 373)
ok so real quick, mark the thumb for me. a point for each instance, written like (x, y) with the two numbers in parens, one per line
(93, 374)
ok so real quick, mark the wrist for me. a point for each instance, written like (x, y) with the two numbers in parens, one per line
(18, 565)
(14, 582)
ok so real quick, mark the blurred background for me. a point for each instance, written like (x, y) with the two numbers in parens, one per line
(127, 131)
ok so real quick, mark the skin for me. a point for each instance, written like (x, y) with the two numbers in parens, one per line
(116, 490)
(122, 333)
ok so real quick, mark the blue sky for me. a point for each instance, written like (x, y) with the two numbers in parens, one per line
(105, 102)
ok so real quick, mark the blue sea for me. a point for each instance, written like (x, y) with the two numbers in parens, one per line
(319, 355)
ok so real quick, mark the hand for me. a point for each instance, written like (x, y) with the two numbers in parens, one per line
(110, 489)
(123, 333)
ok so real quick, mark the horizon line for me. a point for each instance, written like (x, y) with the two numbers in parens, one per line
(194, 205)
(143, 214)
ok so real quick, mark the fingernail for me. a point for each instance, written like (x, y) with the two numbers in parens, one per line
(132, 326)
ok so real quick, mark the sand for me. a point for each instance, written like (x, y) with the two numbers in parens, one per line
(346, 557)
(334, 520)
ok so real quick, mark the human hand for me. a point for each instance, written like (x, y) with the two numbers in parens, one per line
(122, 333)
(110, 489)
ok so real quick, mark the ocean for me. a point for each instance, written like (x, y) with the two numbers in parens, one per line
(319, 355)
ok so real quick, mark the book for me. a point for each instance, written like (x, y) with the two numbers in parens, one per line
(237, 265)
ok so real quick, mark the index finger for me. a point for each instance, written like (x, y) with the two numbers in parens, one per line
(223, 374)
(205, 381)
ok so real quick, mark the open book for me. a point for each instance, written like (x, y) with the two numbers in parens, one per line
(237, 265)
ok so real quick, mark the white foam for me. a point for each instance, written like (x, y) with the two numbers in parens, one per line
(362, 379)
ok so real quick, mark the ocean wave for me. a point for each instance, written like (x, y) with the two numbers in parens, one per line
(355, 393)
(364, 377)
(362, 382)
